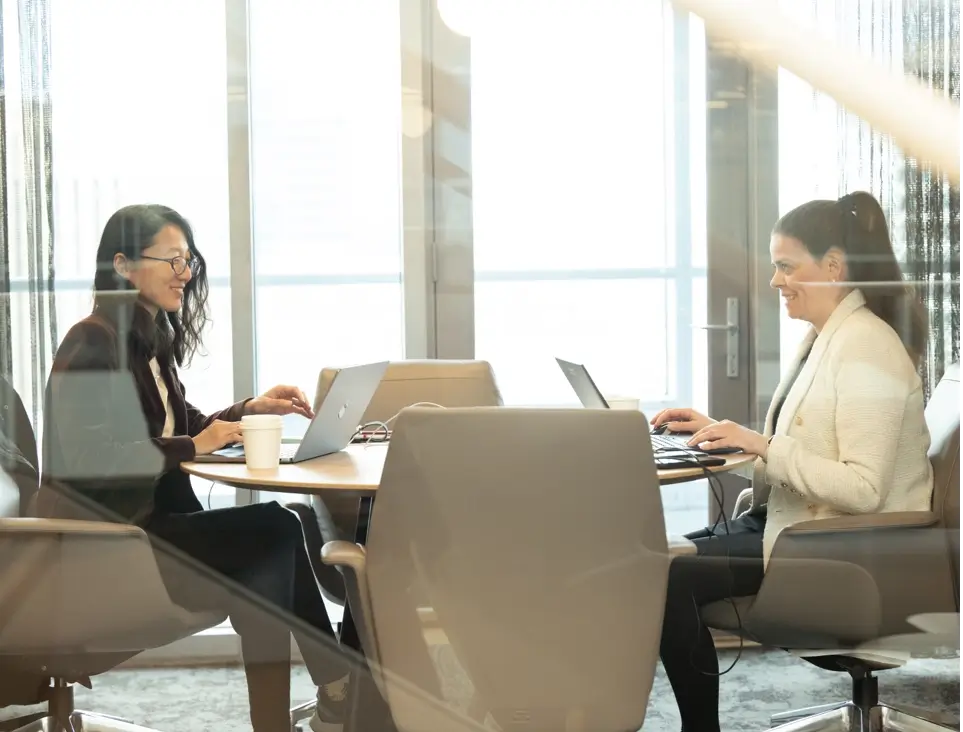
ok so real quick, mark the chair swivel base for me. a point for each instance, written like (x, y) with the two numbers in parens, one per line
(79, 721)
(848, 717)
(62, 716)
(302, 713)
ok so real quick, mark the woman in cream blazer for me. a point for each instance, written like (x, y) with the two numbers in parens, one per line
(845, 432)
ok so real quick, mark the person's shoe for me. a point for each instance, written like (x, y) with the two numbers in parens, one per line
(332, 706)
(316, 724)
(325, 719)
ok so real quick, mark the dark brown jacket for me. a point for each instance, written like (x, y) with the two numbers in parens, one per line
(103, 418)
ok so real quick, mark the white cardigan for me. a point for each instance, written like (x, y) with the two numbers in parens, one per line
(851, 437)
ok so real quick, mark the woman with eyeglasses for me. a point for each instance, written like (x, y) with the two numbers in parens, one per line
(114, 453)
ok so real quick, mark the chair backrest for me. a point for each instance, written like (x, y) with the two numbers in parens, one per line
(448, 383)
(943, 422)
(19, 480)
(539, 537)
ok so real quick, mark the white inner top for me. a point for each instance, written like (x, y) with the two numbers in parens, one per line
(165, 397)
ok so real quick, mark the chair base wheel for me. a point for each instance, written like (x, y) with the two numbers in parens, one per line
(847, 717)
(79, 721)
(301, 713)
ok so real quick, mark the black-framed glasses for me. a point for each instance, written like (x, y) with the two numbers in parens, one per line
(178, 264)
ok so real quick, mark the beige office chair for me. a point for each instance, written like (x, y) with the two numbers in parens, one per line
(64, 616)
(447, 383)
(913, 561)
(539, 537)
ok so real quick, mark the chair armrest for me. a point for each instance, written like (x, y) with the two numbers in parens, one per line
(344, 554)
(743, 502)
(40, 526)
(897, 519)
(351, 559)
(680, 546)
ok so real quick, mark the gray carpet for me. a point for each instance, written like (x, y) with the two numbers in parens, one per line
(763, 682)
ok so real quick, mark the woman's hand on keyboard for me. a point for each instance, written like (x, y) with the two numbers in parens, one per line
(681, 419)
(216, 435)
(725, 434)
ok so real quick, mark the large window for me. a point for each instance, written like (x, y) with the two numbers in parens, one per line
(140, 117)
(326, 169)
(577, 251)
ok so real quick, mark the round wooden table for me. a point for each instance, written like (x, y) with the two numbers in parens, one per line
(357, 470)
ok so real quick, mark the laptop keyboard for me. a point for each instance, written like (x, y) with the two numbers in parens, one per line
(662, 443)
(289, 449)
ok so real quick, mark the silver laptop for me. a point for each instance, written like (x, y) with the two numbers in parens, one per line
(590, 396)
(335, 422)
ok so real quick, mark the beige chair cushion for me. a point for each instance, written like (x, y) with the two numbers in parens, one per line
(726, 615)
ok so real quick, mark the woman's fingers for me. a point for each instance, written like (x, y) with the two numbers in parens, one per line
(716, 444)
(672, 415)
(704, 435)
(303, 407)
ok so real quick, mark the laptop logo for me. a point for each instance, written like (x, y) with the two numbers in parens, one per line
(343, 409)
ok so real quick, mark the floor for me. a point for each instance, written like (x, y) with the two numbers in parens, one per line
(763, 682)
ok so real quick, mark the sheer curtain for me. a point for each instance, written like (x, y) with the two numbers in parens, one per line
(825, 151)
(931, 32)
(28, 321)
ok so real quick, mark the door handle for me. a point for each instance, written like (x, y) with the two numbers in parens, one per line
(731, 326)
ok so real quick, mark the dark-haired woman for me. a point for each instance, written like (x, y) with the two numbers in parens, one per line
(117, 428)
(845, 432)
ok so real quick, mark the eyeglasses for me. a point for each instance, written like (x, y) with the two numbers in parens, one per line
(178, 264)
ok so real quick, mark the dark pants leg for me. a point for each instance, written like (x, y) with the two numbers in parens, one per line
(726, 565)
(251, 562)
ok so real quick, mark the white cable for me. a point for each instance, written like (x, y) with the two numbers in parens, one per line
(379, 425)
(416, 404)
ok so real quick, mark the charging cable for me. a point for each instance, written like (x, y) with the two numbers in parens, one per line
(381, 430)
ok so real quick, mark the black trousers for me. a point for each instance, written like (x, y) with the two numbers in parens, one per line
(728, 563)
(251, 562)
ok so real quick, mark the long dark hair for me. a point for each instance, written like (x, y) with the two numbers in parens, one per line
(130, 231)
(856, 225)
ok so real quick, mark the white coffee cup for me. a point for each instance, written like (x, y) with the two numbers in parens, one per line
(262, 440)
(623, 402)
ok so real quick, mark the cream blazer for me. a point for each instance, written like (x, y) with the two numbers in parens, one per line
(851, 438)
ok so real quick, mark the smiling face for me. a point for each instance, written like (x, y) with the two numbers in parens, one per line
(161, 288)
(808, 285)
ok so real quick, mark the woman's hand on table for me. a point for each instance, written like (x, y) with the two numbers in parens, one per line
(681, 419)
(216, 435)
(729, 434)
(281, 400)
